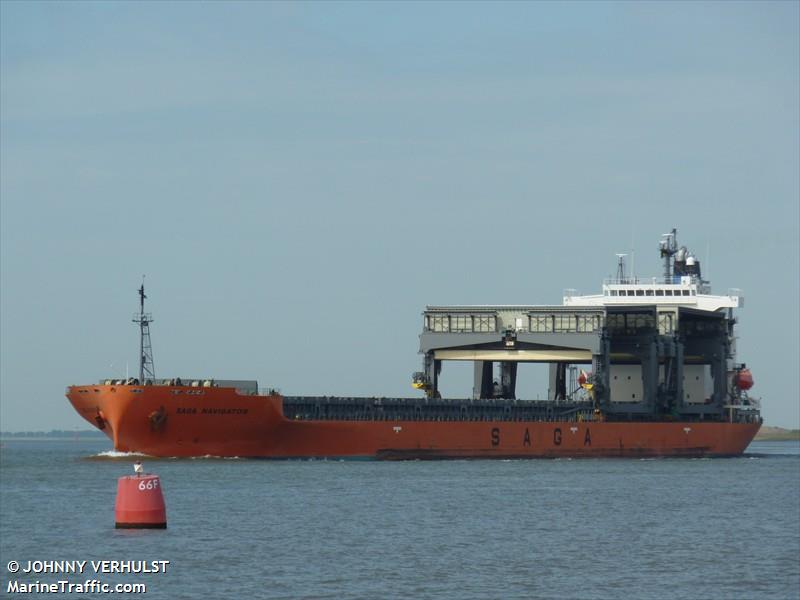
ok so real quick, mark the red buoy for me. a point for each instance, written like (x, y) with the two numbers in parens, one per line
(140, 503)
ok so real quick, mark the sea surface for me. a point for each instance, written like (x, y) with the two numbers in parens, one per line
(584, 528)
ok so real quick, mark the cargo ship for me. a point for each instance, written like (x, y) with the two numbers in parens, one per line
(646, 368)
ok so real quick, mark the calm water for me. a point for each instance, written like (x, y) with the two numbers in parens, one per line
(597, 528)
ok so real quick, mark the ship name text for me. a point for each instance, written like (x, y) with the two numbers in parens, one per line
(193, 410)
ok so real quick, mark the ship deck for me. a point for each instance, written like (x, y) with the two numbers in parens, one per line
(311, 408)
(331, 408)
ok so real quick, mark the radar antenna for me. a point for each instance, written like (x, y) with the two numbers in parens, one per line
(621, 268)
(146, 366)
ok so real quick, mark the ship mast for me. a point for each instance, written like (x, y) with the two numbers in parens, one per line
(146, 366)
(668, 248)
(621, 268)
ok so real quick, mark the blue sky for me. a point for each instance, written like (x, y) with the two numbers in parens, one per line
(299, 180)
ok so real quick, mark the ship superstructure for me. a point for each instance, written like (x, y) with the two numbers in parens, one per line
(654, 348)
(646, 368)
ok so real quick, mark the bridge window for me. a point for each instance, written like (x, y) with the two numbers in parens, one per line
(440, 323)
(565, 322)
(485, 323)
(588, 323)
(665, 323)
(584, 323)
(541, 323)
(659, 292)
(629, 323)
(461, 323)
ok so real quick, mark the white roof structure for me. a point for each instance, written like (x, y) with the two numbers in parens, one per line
(684, 291)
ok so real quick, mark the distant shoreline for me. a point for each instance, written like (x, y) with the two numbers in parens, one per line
(776, 434)
(84, 435)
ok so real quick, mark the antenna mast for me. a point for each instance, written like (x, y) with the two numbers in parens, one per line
(668, 247)
(146, 366)
(621, 268)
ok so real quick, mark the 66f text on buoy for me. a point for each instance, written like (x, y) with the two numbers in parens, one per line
(140, 503)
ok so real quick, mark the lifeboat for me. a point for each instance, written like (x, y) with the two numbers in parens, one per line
(743, 379)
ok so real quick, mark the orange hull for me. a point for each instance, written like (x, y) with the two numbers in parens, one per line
(183, 421)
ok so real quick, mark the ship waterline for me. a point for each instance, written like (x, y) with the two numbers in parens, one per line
(157, 421)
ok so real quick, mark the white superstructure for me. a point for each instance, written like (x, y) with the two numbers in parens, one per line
(681, 285)
(686, 292)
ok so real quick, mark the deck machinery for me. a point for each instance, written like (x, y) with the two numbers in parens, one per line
(661, 348)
